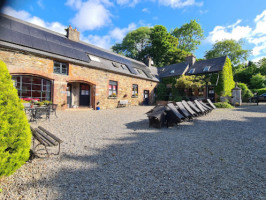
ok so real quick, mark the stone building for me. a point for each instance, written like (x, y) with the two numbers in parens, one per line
(193, 67)
(46, 65)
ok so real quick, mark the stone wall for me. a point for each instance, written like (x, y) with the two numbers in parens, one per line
(26, 63)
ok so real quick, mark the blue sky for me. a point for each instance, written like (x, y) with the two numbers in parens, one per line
(105, 22)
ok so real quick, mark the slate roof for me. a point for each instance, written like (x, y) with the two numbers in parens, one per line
(215, 64)
(173, 70)
(22, 35)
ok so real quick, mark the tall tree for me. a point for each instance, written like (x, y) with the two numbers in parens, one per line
(230, 48)
(189, 36)
(134, 43)
(156, 42)
(262, 66)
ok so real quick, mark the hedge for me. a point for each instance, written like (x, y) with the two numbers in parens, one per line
(15, 134)
(223, 105)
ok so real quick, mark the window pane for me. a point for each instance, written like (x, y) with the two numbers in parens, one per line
(64, 70)
(36, 80)
(57, 70)
(26, 79)
(37, 87)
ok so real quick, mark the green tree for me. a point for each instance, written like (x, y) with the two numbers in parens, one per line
(230, 48)
(262, 66)
(189, 36)
(245, 93)
(135, 44)
(15, 134)
(244, 73)
(156, 42)
(257, 81)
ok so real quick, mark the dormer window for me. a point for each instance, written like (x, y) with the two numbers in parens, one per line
(162, 69)
(191, 71)
(172, 71)
(206, 69)
(94, 58)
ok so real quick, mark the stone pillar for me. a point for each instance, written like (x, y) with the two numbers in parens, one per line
(236, 96)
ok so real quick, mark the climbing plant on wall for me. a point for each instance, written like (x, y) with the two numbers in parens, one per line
(225, 81)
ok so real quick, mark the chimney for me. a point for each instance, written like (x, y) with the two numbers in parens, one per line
(191, 60)
(148, 61)
(72, 34)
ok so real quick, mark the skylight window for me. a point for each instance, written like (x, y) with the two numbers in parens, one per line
(162, 69)
(94, 58)
(191, 71)
(140, 71)
(115, 64)
(206, 69)
(124, 66)
(172, 71)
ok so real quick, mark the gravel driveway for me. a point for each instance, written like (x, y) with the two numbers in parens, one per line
(112, 154)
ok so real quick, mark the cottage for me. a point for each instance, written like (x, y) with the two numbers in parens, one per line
(202, 67)
(50, 66)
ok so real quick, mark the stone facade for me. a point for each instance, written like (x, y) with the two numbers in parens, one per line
(29, 64)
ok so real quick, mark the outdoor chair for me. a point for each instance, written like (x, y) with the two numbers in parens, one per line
(205, 106)
(157, 116)
(53, 108)
(173, 116)
(184, 111)
(202, 109)
(195, 108)
(209, 102)
(189, 109)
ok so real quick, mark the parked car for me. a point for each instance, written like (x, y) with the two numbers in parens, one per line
(261, 98)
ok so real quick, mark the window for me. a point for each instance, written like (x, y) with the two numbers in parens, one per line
(115, 64)
(112, 88)
(94, 58)
(206, 69)
(33, 87)
(60, 68)
(124, 66)
(172, 71)
(139, 71)
(191, 71)
(134, 90)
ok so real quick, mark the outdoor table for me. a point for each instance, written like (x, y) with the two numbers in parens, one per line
(34, 115)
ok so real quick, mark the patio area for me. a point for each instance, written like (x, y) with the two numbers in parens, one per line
(112, 154)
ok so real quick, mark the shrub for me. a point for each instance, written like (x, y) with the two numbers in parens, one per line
(261, 91)
(223, 105)
(245, 93)
(15, 134)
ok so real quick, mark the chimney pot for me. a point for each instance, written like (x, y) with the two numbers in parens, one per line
(72, 34)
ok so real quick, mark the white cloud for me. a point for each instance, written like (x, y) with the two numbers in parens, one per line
(40, 4)
(180, 3)
(114, 36)
(255, 36)
(23, 15)
(146, 10)
(233, 31)
(90, 14)
(130, 3)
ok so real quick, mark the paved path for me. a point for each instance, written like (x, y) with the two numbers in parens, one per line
(112, 154)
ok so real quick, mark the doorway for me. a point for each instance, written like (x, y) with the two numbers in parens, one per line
(146, 97)
(84, 97)
(69, 95)
(211, 93)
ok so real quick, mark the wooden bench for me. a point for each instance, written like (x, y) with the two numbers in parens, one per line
(45, 138)
(123, 103)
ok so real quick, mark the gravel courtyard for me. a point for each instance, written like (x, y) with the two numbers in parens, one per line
(112, 154)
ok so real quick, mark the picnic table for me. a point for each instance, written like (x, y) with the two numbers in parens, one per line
(37, 112)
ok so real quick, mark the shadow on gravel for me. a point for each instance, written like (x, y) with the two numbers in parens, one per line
(261, 108)
(207, 160)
